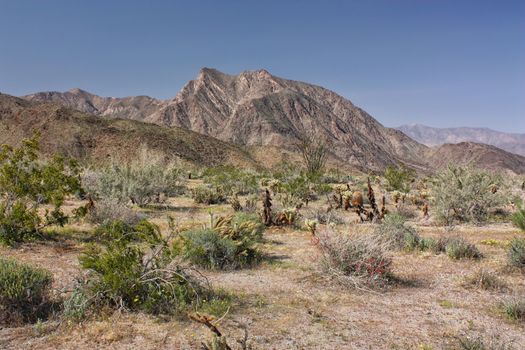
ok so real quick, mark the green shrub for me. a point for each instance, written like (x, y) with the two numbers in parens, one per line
(77, 305)
(518, 217)
(24, 292)
(354, 260)
(514, 309)
(465, 194)
(516, 253)
(26, 183)
(231, 243)
(206, 195)
(459, 248)
(141, 181)
(127, 273)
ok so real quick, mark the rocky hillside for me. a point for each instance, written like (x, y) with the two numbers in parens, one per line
(261, 111)
(88, 137)
(514, 143)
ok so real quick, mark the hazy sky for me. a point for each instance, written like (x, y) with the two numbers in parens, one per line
(435, 62)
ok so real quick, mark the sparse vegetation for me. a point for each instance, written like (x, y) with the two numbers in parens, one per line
(486, 280)
(459, 248)
(142, 181)
(397, 234)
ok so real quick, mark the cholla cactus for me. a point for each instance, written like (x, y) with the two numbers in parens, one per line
(347, 198)
(311, 225)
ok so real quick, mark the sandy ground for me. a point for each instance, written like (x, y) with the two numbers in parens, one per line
(285, 304)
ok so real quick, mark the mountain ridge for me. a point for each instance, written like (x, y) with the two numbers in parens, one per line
(432, 136)
(258, 109)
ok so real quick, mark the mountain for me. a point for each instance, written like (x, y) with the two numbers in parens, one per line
(510, 142)
(268, 115)
(258, 109)
(94, 138)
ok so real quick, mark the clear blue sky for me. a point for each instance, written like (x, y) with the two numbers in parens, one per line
(436, 62)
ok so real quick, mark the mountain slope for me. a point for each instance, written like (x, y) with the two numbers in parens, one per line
(510, 142)
(90, 137)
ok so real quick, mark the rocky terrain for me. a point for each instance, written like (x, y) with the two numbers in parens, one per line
(256, 109)
(510, 142)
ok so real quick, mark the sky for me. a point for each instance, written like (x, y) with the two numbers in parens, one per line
(434, 62)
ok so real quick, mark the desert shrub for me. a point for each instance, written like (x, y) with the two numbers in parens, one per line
(231, 180)
(518, 217)
(356, 260)
(336, 176)
(484, 279)
(120, 231)
(109, 210)
(459, 248)
(232, 242)
(24, 292)
(399, 178)
(514, 308)
(293, 191)
(141, 181)
(465, 194)
(126, 272)
(516, 252)
(27, 183)
(207, 195)
(397, 234)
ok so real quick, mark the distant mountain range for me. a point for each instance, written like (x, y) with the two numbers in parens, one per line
(430, 136)
(266, 115)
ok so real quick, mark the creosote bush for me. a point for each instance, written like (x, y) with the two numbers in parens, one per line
(26, 184)
(231, 242)
(399, 178)
(465, 194)
(232, 181)
(135, 269)
(516, 253)
(354, 260)
(24, 292)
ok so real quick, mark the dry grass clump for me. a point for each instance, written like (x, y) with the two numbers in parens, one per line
(481, 343)
(514, 308)
(109, 210)
(354, 260)
(486, 280)
(406, 211)
(397, 234)
(459, 248)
